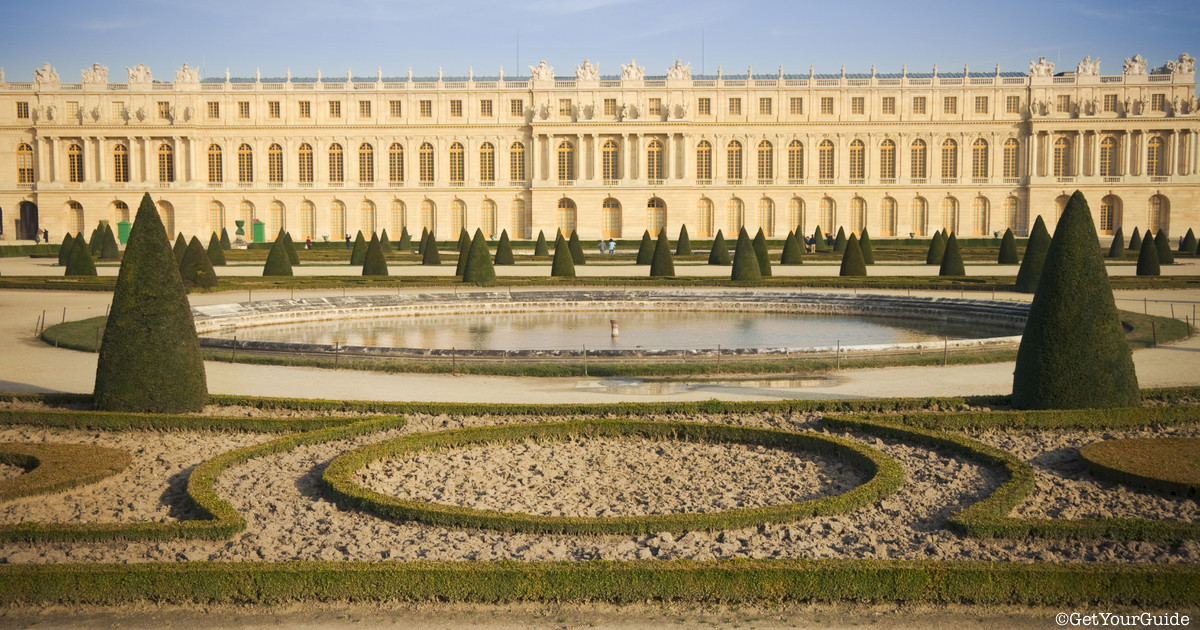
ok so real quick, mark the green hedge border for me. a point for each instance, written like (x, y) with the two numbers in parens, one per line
(1098, 458)
(339, 478)
(51, 467)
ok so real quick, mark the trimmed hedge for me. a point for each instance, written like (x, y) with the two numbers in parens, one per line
(108, 245)
(504, 252)
(745, 260)
(819, 244)
(937, 249)
(1188, 244)
(429, 253)
(1116, 249)
(1147, 263)
(64, 250)
(290, 247)
(852, 259)
(718, 254)
(1030, 272)
(478, 269)
(216, 253)
(563, 265)
(225, 243)
(952, 262)
(1165, 255)
(760, 252)
(645, 253)
(1168, 465)
(464, 245)
(1008, 249)
(278, 263)
(864, 243)
(840, 241)
(180, 247)
(576, 248)
(196, 270)
(662, 265)
(684, 245)
(385, 242)
(80, 263)
(1135, 241)
(357, 255)
(540, 248)
(52, 467)
(374, 263)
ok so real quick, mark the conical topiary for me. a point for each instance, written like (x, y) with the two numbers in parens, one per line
(1035, 255)
(760, 251)
(1165, 255)
(1008, 249)
(1147, 264)
(150, 357)
(64, 250)
(196, 270)
(540, 248)
(479, 269)
(718, 254)
(96, 241)
(80, 261)
(374, 262)
(1188, 244)
(358, 255)
(645, 254)
(429, 253)
(662, 265)
(108, 249)
(1116, 250)
(225, 243)
(819, 244)
(464, 247)
(864, 243)
(839, 241)
(179, 249)
(576, 248)
(278, 263)
(216, 253)
(937, 249)
(563, 265)
(504, 253)
(385, 243)
(793, 254)
(1073, 353)
(1135, 241)
(745, 260)
(290, 248)
(405, 242)
(684, 246)
(853, 264)
(952, 262)
(424, 241)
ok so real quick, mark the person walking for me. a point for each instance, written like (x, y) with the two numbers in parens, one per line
(612, 246)
(347, 241)
(603, 249)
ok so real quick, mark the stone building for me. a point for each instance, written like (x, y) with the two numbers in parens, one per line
(608, 155)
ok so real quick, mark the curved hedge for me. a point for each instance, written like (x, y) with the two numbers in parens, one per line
(1168, 465)
(52, 467)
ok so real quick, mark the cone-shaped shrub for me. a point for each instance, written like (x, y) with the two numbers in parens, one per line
(80, 261)
(576, 248)
(1188, 245)
(719, 253)
(540, 248)
(745, 260)
(819, 244)
(937, 249)
(1008, 249)
(108, 249)
(663, 265)
(952, 262)
(760, 251)
(793, 254)
(64, 250)
(424, 239)
(358, 255)
(864, 243)
(1035, 256)
(684, 246)
(479, 269)
(645, 254)
(405, 242)
(504, 253)
(853, 264)
(1116, 250)
(1165, 255)
(216, 253)
(96, 241)
(150, 357)
(225, 243)
(563, 265)
(839, 241)
(196, 270)
(278, 262)
(290, 248)
(1073, 354)
(1135, 241)
(1148, 264)
(385, 243)
(464, 247)
(374, 262)
(180, 248)
(429, 253)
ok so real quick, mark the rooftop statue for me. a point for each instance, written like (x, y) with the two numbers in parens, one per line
(45, 74)
(1185, 65)
(587, 71)
(679, 72)
(542, 72)
(139, 74)
(96, 74)
(1137, 65)
(1041, 68)
(1088, 68)
(190, 75)
(632, 72)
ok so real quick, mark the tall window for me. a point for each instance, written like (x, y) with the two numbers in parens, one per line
(609, 160)
(949, 159)
(366, 216)
(396, 163)
(1157, 211)
(337, 172)
(487, 165)
(704, 217)
(278, 219)
(566, 162)
(166, 163)
(766, 216)
(246, 212)
(487, 218)
(1011, 158)
(654, 160)
(166, 212)
(887, 217)
(610, 218)
(920, 216)
(795, 160)
(245, 164)
(1154, 157)
(828, 215)
(733, 160)
(24, 164)
(76, 216)
(704, 160)
(308, 219)
(516, 162)
(979, 158)
(950, 105)
(305, 163)
(979, 216)
(888, 105)
(215, 170)
(766, 160)
(337, 219)
(656, 215)
(366, 163)
(120, 164)
(521, 222)
(1011, 205)
(120, 211)
(735, 216)
(75, 163)
(216, 216)
(275, 163)
(566, 217)
(950, 214)
(920, 160)
(1108, 157)
(425, 163)
(796, 215)
(458, 216)
(399, 216)
(429, 215)
(1108, 214)
(458, 171)
(858, 215)
(857, 160)
(887, 160)
(825, 160)
(918, 105)
(1062, 157)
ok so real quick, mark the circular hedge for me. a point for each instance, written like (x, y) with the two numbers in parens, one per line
(885, 477)
(51, 467)
(1164, 465)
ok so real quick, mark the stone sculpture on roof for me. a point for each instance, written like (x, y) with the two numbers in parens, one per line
(1088, 67)
(587, 71)
(542, 72)
(139, 74)
(192, 75)
(96, 74)
(632, 72)
(45, 74)
(1185, 65)
(679, 72)
(1039, 68)
(1137, 65)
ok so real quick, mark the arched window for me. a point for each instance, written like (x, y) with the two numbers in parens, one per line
(858, 168)
(24, 164)
(1012, 159)
(980, 219)
(275, 164)
(308, 220)
(1011, 207)
(366, 163)
(458, 170)
(337, 219)
(120, 164)
(610, 160)
(1060, 204)
(733, 161)
(520, 219)
(425, 163)
(75, 163)
(1062, 157)
(796, 215)
(246, 213)
(516, 162)
(1108, 157)
(920, 216)
(704, 217)
(828, 214)
(949, 159)
(216, 216)
(887, 160)
(766, 161)
(1109, 206)
(566, 217)
(920, 160)
(396, 163)
(887, 217)
(950, 214)
(487, 218)
(610, 218)
(795, 161)
(1158, 213)
(120, 212)
(278, 219)
(858, 215)
(487, 164)
(825, 160)
(245, 164)
(656, 216)
(766, 216)
(654, 160)
(458, 217)
(166, 163)
(215, 168)
(1155, 164)
(399, 219)
(75, 210)
(337, 172)
(735, 217)
(428, 215)
(704, 161)
(366, 217)
(979, 158)
(305, 164)
(566, 163)
(166, 213)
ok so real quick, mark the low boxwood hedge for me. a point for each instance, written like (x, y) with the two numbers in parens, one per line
(52, 467)
(1168, 465)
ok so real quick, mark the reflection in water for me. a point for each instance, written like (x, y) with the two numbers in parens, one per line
(645, 330)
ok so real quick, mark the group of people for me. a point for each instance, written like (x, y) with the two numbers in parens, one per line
(608, 247)
(42, 236)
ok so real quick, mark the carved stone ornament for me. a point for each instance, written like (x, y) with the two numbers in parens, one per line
(52, 112)
(187, 113)
(141, 113)
(139, 74)
(628, 112)
(1041, 68)
(187, 74)
(681, 111)
(96, 74)
(542, 72)
(632, 72)
(45, 75)
(1088, 68)
(1185, 65)
(588, 111)
(587, 71)
(1137, 65)
(95, 114)
(679, 71)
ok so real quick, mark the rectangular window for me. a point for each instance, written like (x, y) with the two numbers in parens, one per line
(335, 109)
(273, 109)
(981, 104)
(564, 107)
(23, 110)
(888, 105)
(1110, 102)
(1012, 104)
(950, 105)
(306, 109)
(214, 109)
(485, 108)
(72, 110)
(704, 107)
(1062, 104)
(610, 107)
(918, 105)
(858, 105)
(796, 105)
(426, 109)
(117, 109)
(364, 109)
(394, 109)
(655, 107)
(1158, 102)
(456, 108)
(826, 105)
(164, 110)
(243, 109)
(735, 107)
(764, 106)
(516, 107)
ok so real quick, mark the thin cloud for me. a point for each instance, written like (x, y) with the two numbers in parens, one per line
(101, 25)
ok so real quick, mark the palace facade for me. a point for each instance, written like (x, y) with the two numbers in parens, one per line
(608, 155)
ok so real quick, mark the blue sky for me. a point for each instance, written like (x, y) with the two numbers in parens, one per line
(365, 34)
